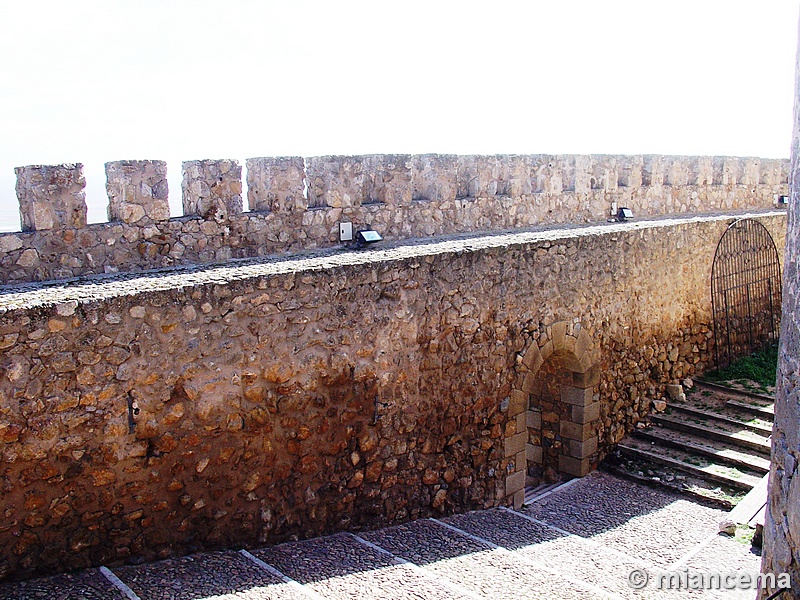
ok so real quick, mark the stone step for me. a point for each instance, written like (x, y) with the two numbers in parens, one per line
(341, 566)
(477, 565)
(699, 446)
(766, 412)
(731, 392)
(750, 510)
(691, 463)
(755, 426)
(656, 475)
(742, 439)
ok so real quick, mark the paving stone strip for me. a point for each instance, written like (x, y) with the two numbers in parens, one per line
(117, 583)
(287, 580)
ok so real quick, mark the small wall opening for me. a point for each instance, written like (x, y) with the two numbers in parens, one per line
(557, 410)
(561, 416)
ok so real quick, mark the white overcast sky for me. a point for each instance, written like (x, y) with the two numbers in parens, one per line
(92, 81)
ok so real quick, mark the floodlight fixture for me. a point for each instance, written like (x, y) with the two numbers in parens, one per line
(366, 237)
(624, 214)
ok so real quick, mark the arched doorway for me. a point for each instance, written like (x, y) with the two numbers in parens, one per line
(556, 407)
(745, 291)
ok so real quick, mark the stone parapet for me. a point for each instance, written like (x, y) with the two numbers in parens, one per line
(212, 189)
(297, 203)
(276, 184)
(51, 196)
(137, 191)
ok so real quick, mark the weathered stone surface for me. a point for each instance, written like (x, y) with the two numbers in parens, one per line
(276, 184)
(51, 197)
(400, 196)
(782, 523)
(212, 189)
(252, 402)
(137, 191)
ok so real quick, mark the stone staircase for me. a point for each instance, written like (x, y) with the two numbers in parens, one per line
(711, 441)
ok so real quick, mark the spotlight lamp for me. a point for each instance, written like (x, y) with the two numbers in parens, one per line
(624, 214)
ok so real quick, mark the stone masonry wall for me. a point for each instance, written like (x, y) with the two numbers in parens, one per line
(245, 404)
(297, 204)
(782, 522)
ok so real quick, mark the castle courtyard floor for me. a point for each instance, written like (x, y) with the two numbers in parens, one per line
(590, 538)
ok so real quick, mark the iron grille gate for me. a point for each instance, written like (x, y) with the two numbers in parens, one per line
(745, 291)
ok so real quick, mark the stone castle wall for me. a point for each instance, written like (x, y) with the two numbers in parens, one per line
(229, 406)
(297, 203)
(782, 522)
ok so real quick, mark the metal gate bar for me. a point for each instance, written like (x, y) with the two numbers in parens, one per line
(745, 291)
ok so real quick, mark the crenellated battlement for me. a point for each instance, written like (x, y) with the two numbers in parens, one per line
(297, 203)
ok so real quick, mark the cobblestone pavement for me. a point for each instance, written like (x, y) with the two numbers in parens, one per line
(581, 540)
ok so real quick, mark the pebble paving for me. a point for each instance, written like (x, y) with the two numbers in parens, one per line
(221, 575)
(652, 525)
(340, 566)
(579, 541)
(86, 585)
(479, 567)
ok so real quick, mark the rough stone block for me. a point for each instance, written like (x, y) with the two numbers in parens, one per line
(575, 395)
(212, 189)
(586, 378)
(574, 466)
(137, 190)
(434, 177)
(276, 184)
(515, 482)
(522, 421)
(518, 403)
(533, 453)
(586, 414)
(51, 196)
(533, 358)
(751, 171)
(583, 343)
(730, 171)
(558, 331)
(519, 498)
(515, 443)
(534, 419)
(529, 383)
(652, 170)
(581, 450)
(577, 431)
(544, 174)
